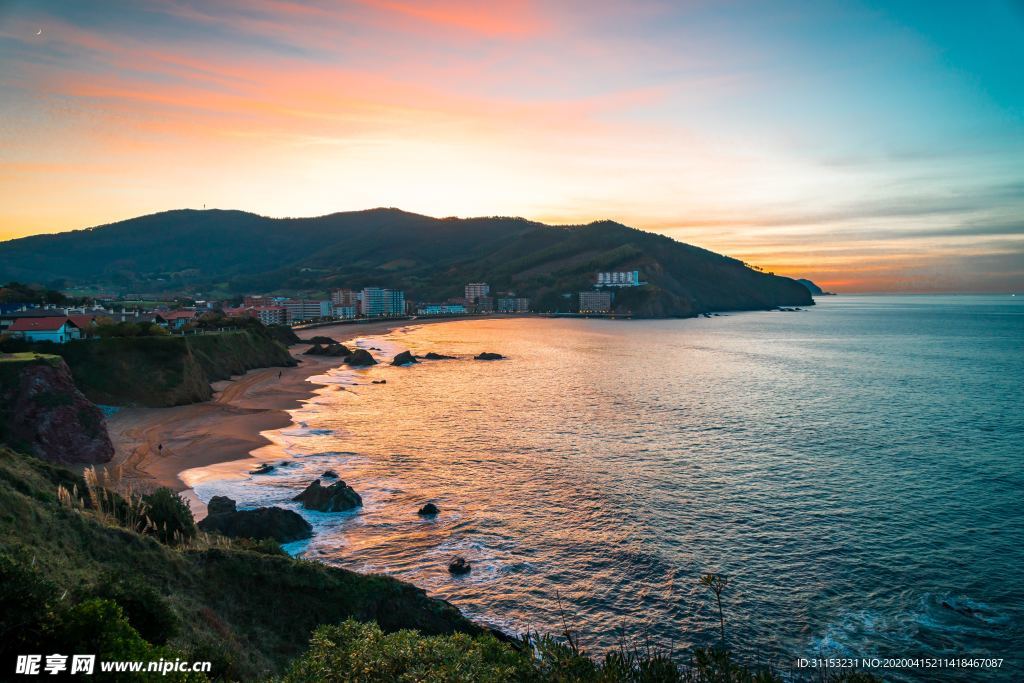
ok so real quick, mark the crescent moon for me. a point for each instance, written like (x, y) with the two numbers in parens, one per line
(39, 32)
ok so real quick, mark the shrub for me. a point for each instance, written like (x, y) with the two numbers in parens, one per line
(168, 516)
(100, 627)
(357, 651)
(354, 651)
(37, 617)
(147, 611)
(26, 613)
(128, 329)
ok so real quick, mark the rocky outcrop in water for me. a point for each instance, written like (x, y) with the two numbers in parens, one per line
(459, 565)
(43, 412)
(274, 523)
(333, 349)
(265, 468)
(219, 505)
(337, 497)
(404, 358)
(330, 474)
(437, 356)
(428, 510)
(360, 358)
(489, 356)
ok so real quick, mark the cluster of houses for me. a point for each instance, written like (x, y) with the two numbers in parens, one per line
(477, 299)
(374, 302)
(60, 325)
(344, 304)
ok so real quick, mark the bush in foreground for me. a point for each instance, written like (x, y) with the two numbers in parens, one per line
(169, 516)
(35, 617)
(354, 651)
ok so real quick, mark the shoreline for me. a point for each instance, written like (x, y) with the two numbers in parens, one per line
(231, 426)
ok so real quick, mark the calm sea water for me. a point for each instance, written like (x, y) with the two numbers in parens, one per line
(855, 469)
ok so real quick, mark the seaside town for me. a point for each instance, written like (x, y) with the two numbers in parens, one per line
(60, 323)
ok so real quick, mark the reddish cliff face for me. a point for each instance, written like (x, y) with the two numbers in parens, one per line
(42, 412)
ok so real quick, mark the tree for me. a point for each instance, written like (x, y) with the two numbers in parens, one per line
(716, 583)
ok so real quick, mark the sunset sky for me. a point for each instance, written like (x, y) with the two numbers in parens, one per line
(868, 146)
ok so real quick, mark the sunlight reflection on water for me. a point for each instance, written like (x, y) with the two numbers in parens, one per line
(853, 468)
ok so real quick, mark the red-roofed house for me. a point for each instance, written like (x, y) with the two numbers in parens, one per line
(175, 319)
(56, 329)
(85, 323)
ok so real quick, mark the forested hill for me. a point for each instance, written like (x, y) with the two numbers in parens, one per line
(220, 252)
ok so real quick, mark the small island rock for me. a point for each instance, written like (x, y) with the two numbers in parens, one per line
(489, 356)
(459, 565)
(428, 510)
(277, 523)
(437, 356)
(331, 349)
(265, 468)
(361, 357)
(337, 350)
(220, 505)
(337, 497)
(404, 358)
(330, 474)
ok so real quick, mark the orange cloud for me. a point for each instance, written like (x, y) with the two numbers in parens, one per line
(509, 19)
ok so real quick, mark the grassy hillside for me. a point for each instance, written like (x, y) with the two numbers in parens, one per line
(230, 252)
(165, 370)
(248, 608)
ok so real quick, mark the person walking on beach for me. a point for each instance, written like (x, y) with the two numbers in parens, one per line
(279, 374)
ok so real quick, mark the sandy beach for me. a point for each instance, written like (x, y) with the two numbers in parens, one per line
(155, 445)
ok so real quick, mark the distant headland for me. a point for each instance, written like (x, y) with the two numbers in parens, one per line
(223, 255)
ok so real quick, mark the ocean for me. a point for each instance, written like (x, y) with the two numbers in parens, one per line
(855, 469)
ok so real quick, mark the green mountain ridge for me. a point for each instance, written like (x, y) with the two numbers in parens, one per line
(225, 252)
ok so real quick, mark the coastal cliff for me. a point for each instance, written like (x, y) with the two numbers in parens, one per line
(166, 370)
(43, 412)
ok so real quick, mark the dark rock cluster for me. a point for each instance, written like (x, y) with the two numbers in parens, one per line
(275, 523)
(459, 565)
(404, 358)
(337, 497)
(332, 349)
(360, 358)
(428, 510)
